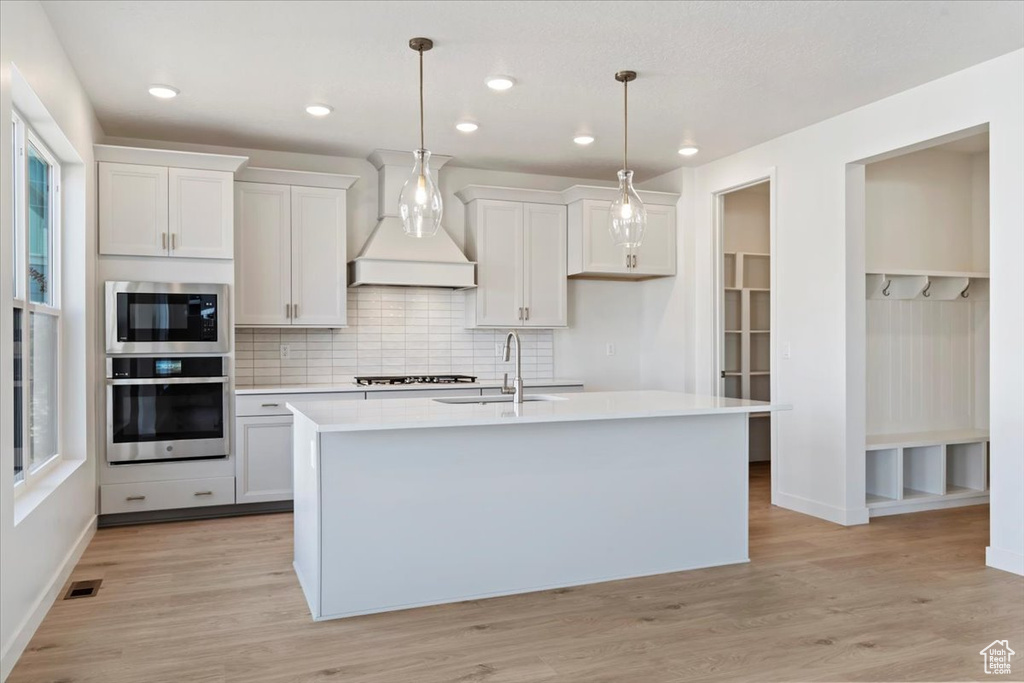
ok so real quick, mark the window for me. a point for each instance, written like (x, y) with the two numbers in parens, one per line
(36, 303)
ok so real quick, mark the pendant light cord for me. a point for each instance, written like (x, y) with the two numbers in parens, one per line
(625, 123)
(422, 146)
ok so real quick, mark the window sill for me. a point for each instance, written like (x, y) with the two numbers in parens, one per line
(41, 488)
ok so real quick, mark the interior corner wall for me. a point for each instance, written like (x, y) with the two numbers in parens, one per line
(38, 550)
(815, 269)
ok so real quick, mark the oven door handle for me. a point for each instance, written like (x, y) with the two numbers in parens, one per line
(167, 380)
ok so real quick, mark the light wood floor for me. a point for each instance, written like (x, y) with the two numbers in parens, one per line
(904, 598)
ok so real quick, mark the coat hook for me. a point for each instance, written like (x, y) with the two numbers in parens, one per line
(964, 293)
(885, 290)
(926, 288)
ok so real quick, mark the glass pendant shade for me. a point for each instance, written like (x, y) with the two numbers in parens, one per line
(629, 217)
(420, 205)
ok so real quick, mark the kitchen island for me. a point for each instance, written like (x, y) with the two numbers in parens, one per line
(411, 502)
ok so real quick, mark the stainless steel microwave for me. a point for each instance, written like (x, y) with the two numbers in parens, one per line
(163, 317)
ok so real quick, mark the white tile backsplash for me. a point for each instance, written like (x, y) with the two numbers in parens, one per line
(392, 331)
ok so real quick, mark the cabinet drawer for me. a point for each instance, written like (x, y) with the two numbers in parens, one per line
(166, 495)
(257, 405)
(567, 389)
(420, 393)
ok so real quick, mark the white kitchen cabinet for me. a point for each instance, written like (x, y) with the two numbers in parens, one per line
(290, 255)
(201, 213)
(319, 257)
(133, 209)
(264, 465)
(263, 263)
(591, 250)
(520, 250)
(160, 211)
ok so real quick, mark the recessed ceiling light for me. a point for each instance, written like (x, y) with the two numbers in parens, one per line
(583, 139)
(500, 82)
(164, 92)
(689, 150)
(319, 109)
(466, 126)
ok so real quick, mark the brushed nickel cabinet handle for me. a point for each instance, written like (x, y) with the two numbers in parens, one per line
(627, 261)
(527, 309)
(203, 493)
(634, 260)
(163, 240)
(269, 405)
(295, 311)
(520, 312)
(135, 498)
(174, 241)
(288, 311)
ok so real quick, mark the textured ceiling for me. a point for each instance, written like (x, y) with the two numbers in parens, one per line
(724, 75)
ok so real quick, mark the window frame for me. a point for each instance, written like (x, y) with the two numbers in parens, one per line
(23, 136)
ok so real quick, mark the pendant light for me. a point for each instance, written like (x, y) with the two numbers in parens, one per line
(420, 204)
(628, 215)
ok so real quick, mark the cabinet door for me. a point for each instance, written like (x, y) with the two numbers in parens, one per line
(600, 254)
(201, 213)
(263, 468)
(657, 254)
(133, 209)
(499, 254)
(319, 257)
(263, 258)
(544, 265)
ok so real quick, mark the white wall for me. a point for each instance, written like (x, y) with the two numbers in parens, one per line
(38, 547)
(820, 468)
(926, 211)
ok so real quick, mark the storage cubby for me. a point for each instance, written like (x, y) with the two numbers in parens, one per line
(760, 353)
(882, 479)
(760, 388)
(923, 472)
(729, 270)
(733, 310)
(756, 271)
(732, 352)
(732, 386)
(966, 467)
(760, 311)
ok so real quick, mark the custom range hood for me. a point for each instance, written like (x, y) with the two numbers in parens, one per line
(390, 257)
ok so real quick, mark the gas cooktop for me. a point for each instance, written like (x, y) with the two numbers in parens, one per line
(415, 379)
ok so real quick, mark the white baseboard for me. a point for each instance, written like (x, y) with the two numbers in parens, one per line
(23, 634)
(1007, 560)
(830, 513)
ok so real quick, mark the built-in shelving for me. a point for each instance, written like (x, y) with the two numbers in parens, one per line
(925, 471)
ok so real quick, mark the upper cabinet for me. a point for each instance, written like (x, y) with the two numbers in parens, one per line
(591, 250)
(290, 249)
(520, 250)
(165, 203)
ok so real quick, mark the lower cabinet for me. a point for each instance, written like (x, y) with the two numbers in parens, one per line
(166, 495)
(263, 468)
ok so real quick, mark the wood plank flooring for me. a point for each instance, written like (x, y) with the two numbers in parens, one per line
(906, 598)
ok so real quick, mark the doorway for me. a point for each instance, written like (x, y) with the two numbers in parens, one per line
(744, 231)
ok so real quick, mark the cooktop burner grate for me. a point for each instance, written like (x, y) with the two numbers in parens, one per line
(414, 379)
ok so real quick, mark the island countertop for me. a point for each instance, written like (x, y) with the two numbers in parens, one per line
(424, 413)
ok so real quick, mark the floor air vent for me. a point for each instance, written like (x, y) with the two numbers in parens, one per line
(83, 589)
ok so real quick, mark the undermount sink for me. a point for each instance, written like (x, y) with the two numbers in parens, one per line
(503, 398)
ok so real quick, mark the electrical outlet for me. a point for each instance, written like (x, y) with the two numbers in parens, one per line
(787, 351)
(286, 351)
(499, 350)
(610, 349)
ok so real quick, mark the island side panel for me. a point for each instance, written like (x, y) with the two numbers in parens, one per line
(425, 516)
(305, 464)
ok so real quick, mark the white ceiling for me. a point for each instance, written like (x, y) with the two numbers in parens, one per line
(724, 75)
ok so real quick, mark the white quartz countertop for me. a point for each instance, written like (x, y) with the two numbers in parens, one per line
(347, 387)
(421, 413)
